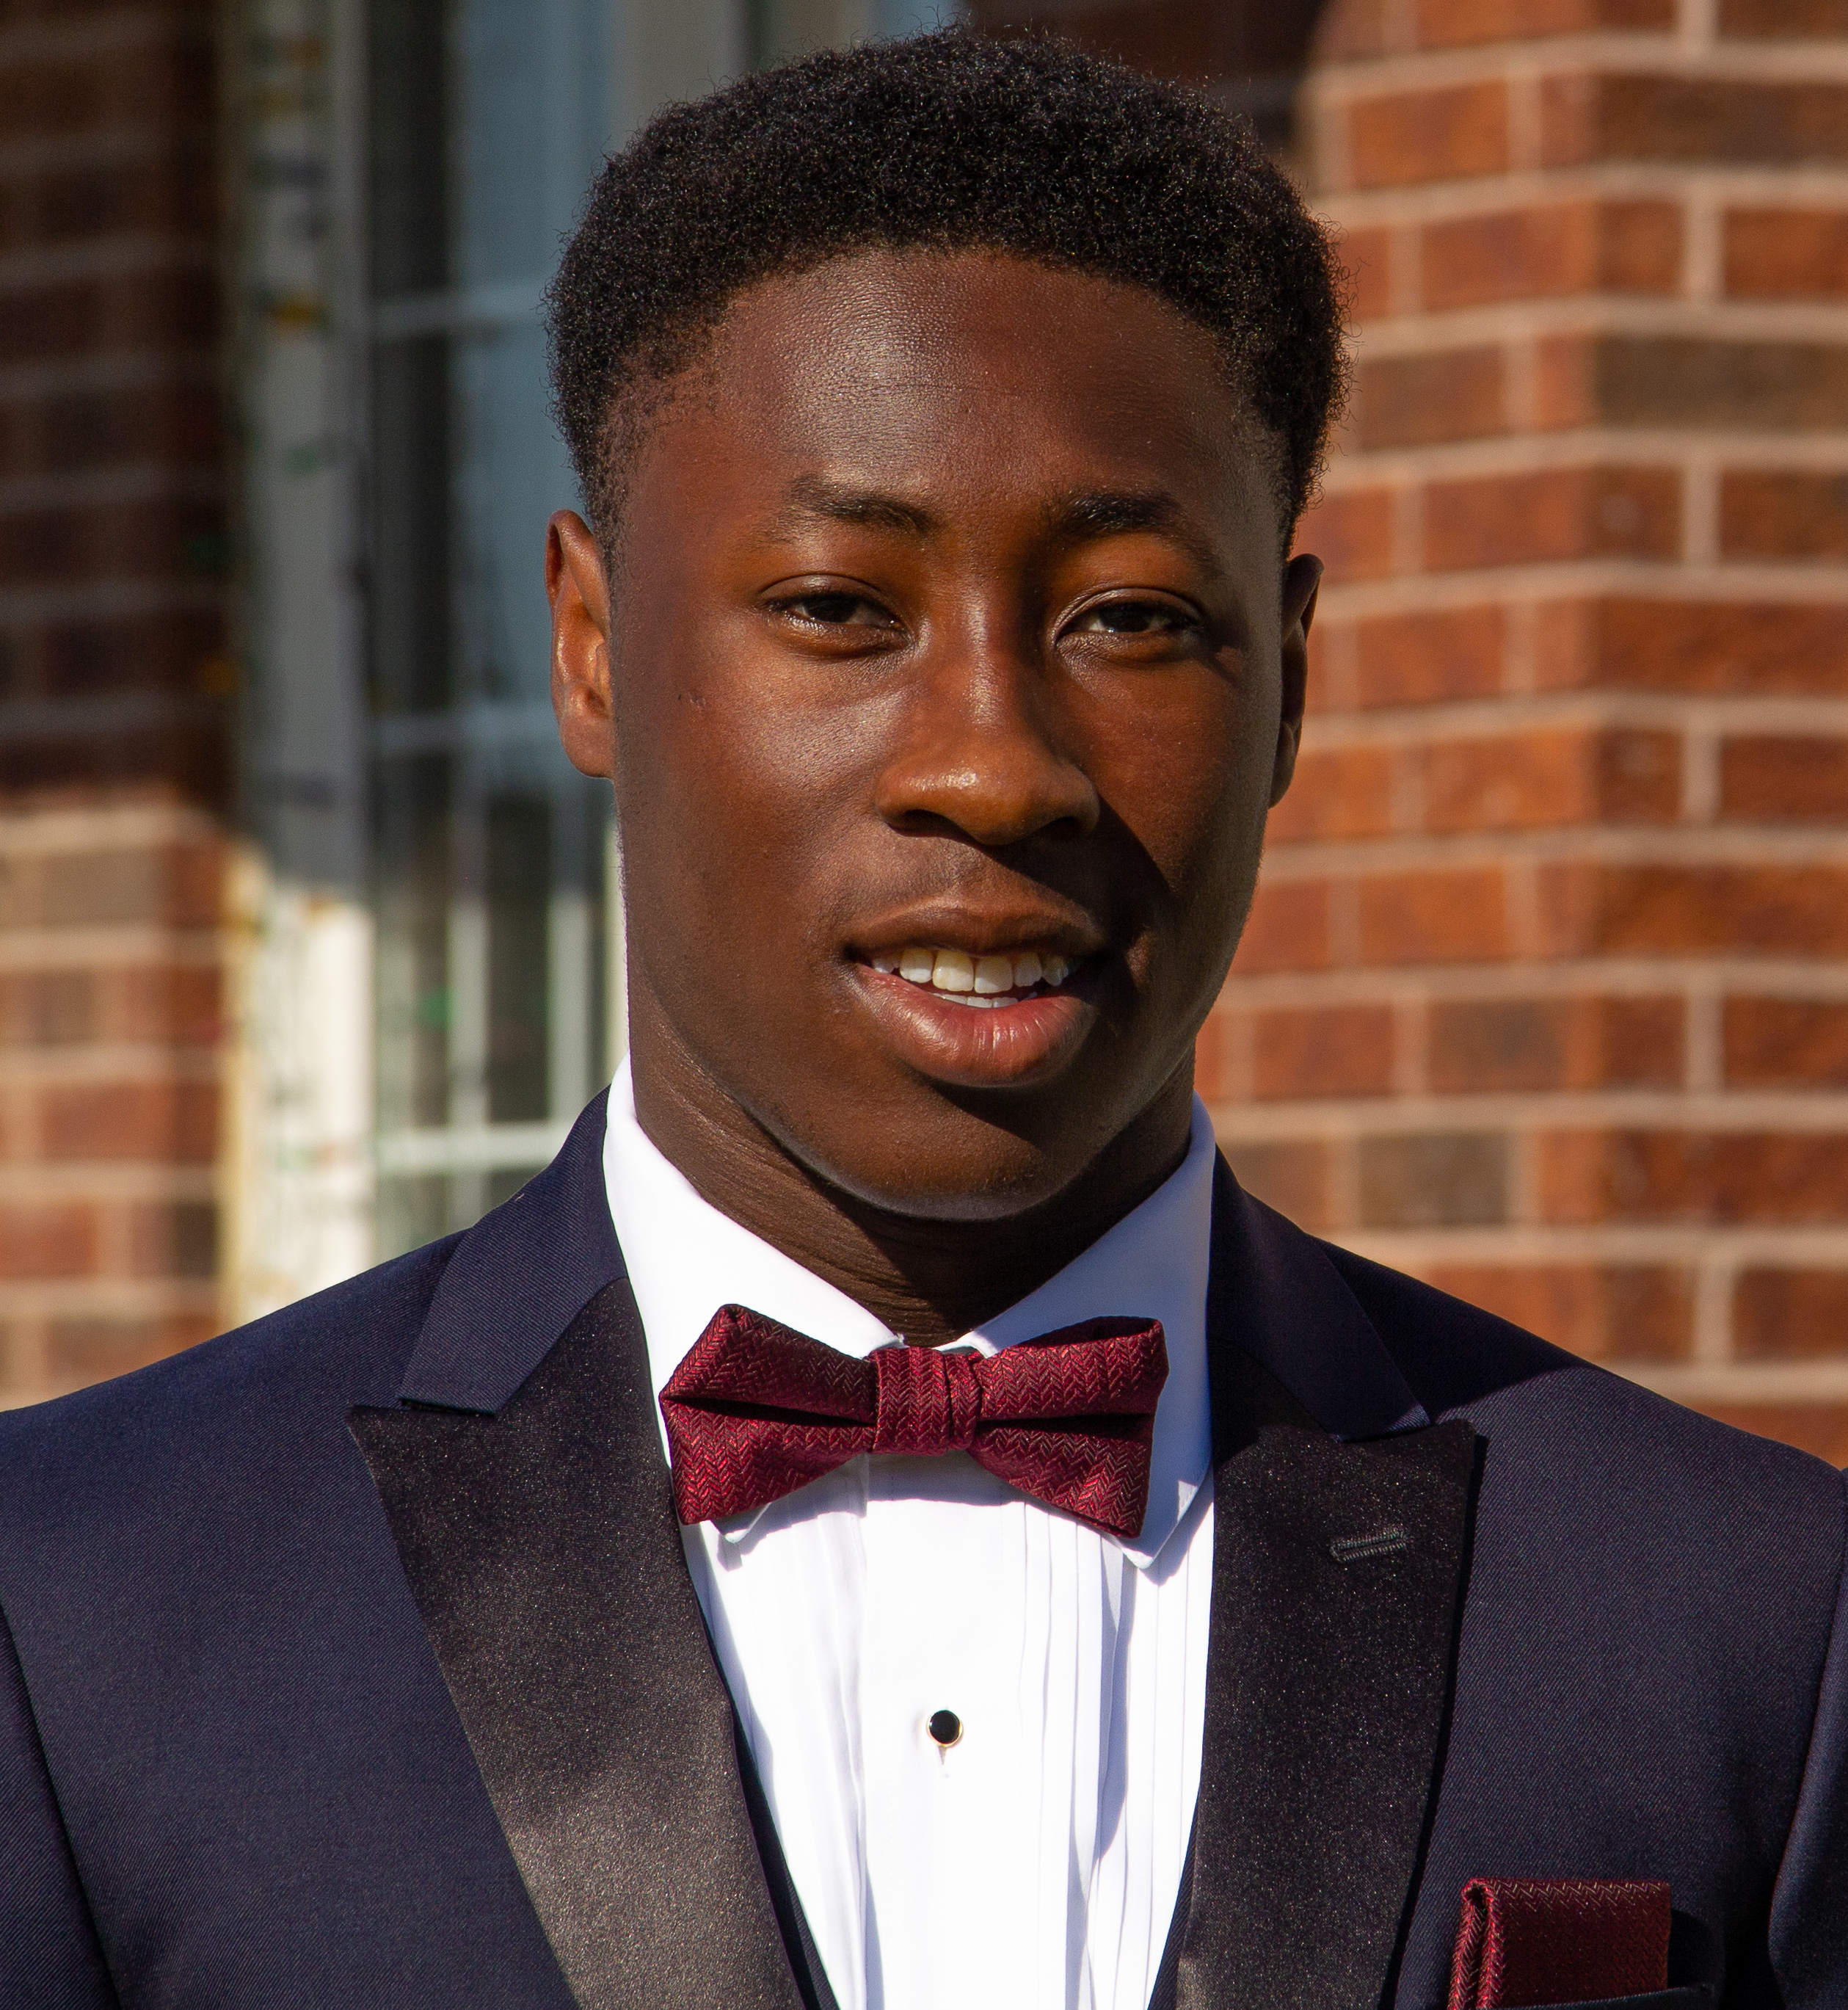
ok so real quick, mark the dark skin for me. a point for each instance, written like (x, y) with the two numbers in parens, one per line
(945, 610)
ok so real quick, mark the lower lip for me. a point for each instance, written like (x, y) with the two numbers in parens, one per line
(1005, 1045)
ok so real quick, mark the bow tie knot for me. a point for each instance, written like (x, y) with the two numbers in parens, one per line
(929, 1403)
(756, 1410)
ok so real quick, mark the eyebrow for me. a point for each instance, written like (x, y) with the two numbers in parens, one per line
(1116, 512)
(810, 497)
(1079, 518)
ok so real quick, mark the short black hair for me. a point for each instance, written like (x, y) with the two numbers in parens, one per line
(949, 141)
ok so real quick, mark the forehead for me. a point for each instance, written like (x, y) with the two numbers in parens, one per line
(974, 371)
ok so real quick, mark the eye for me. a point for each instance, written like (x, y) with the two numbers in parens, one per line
(1133, 617)
(835, 610)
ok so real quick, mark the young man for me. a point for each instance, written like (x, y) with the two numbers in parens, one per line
(609, 1605)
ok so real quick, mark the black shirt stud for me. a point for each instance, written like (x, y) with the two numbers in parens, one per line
(945, 1726)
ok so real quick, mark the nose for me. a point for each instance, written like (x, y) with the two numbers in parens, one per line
(981, 749)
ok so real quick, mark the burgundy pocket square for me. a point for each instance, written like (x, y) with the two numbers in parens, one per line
(1558, 1941)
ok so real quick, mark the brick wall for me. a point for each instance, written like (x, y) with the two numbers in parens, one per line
(1546, 993)
(113, 742)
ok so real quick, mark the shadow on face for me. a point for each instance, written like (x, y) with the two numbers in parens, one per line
(950, 671)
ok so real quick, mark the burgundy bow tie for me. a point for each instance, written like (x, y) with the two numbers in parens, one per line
(756, 1410)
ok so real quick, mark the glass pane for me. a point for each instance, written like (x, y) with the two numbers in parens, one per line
(489, 849)
(518, 910)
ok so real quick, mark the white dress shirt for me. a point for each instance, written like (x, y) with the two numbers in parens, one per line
(1034, 1865)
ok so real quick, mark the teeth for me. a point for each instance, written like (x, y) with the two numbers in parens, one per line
(986, 981)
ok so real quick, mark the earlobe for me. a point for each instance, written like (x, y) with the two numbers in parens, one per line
(578, 589)
(1301, 582)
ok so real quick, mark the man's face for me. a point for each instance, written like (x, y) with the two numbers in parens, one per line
(949, 652)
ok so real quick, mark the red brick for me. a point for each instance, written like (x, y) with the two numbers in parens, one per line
(1348, 29)
(55, 1241)
(1688, 1176)
(1765, 515)
(1431, 657)
(113, 540)
(190, 762)
(1426, 136)
(1707, 122)
(1779, 778)
(1786, 1043)
(1340, 792)
(1551, 250)
(1721, 647)
(1532, 780)
(179, 884)
(1287, 929)
(1434, 1180)
(1700, 384)
(1784, 254)
(181, 651)
(1423, 398)
(1366, 256)
(1295, 1177)
(175, 424)
(173, 194)
(1499, 1045)
(1330, 1050)
(48, 1008)
(161, 1122)
(1780, 20)
(182, 1003)
(1549, 514)
(1351, 531)
(1212, 1065)
(1821, 1428)
(1629, 1311)
(1456, 916)
(92, 1350)
(1790, 1315)
(174, 1239)
(161, 84)
(1790, 910)
(1452, 23)
(150, 312)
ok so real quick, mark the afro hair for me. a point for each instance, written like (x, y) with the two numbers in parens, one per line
(946, 142)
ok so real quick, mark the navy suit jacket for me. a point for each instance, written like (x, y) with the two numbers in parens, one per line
(352, 1660)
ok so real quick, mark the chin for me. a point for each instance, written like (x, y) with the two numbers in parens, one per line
(973, 1170)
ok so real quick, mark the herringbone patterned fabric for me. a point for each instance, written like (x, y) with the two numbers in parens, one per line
(756, 1410)
(1567, 1939)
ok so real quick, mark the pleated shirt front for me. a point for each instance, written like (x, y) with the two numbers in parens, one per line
(1031, 1863)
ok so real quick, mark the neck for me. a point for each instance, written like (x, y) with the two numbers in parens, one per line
(930, 1279)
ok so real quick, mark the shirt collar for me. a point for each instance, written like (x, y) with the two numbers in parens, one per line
(685, 1260)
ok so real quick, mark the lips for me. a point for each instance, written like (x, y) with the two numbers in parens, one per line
(987, 982)
(998, 1015)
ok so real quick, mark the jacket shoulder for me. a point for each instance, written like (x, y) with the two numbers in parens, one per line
(1462, 1360)
(221, 1403)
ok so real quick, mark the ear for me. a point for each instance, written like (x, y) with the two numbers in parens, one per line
(1302, 581)
(579, 591)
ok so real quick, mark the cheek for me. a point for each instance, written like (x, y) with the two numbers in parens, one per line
(1190, 776)
(730, 791)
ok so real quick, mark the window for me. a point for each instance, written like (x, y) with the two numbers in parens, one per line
(430, 987)
(490, 854)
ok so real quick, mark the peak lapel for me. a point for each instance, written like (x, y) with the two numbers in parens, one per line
(1338, 1570)
(541, 1548)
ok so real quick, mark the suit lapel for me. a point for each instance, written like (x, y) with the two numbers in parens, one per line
(540, 1546)
(1338, 1570)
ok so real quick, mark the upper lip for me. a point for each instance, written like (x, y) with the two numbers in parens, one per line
(988, 931)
